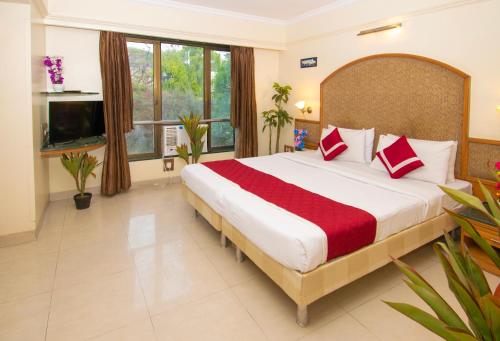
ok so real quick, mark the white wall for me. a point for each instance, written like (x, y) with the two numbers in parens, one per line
(17, 210)
(80, 49)
(39, 115)
(133, 16)
(466, 37)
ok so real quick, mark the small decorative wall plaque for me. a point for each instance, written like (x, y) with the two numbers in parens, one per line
(309, 62)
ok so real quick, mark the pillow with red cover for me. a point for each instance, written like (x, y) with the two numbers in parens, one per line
(399, 158)
(332, 145)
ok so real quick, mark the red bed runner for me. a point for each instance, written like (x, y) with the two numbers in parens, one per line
(347, 228)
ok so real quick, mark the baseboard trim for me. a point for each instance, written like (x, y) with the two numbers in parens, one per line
(18, 238)
(96, 190)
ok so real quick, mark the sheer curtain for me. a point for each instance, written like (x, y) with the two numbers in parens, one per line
(243, 105)
(118, 106)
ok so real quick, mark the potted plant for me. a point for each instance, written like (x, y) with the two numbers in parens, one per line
(80, 166)
(195, 133)
(271, 122)
(465, 279)
(278, 117)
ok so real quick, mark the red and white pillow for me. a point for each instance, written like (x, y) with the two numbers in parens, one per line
(399, 158)
(331, 145)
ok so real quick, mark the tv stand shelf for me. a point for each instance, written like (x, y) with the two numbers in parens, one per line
(76, 146)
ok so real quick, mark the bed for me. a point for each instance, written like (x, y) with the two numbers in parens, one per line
(395, 93)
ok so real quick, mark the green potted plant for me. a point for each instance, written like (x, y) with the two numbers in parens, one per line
(277, 117)
(271, 122)
(465, 279)
(195, 133)
(80, 166)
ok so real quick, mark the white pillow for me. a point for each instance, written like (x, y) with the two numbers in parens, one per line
(369, 137)
(355, 141)
(434, 154)
(453, 154)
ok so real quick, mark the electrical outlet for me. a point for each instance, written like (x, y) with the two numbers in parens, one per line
(168, 164)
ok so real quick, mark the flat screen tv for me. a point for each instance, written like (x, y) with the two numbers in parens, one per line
(73, 120)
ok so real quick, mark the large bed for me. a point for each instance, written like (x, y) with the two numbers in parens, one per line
(423, 99)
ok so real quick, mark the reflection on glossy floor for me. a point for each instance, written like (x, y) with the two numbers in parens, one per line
(140, 266)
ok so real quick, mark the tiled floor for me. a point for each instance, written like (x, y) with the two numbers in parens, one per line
(140, 266)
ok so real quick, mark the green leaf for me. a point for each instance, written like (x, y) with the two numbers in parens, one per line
(492, 203)
(443, 311)
(438, 249)
(483, 244)
(476, 277)
(458, 268)
(471, 308)
(412, 275)
(456, 260)
(462, 336)
(469, 201)
(425, 319)
(492, 313)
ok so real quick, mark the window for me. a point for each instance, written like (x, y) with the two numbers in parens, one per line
(172, 78)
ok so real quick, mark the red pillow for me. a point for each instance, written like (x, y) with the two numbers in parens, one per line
(399, 158)
(332, 145)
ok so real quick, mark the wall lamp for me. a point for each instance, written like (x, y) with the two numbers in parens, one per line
(301, 105)
(380, 29)
(498, 108)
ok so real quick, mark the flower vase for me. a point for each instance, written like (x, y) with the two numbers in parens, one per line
(58, 87)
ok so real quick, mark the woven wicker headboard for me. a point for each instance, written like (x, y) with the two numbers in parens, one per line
(399, 94)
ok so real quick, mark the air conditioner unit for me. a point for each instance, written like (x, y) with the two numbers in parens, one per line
(174, 136)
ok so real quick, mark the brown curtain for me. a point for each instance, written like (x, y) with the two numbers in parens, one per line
(243, 105)
(118, 104)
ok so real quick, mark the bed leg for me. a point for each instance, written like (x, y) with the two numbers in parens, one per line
(196, 213)
(240, 256)
(223, 240)
(302, 315)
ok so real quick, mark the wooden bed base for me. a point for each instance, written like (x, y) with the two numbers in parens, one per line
(305, 288)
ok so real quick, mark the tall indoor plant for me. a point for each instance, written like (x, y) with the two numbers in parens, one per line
(270, 122)
(80, 166)
(277, 117)
(195, 132)
(465, 279)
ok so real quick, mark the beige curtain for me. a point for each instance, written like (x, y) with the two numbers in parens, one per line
(243, 105)
(118, 105)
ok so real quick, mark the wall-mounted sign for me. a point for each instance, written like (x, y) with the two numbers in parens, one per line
(309, 62)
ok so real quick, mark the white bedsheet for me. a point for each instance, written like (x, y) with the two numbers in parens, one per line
(297, 243)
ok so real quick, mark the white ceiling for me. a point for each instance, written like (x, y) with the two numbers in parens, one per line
(278, 10)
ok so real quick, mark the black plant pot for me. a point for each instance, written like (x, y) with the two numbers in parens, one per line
(82, 201)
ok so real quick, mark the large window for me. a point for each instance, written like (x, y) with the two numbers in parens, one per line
(172, 78)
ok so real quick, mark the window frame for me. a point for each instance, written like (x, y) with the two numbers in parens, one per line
(157, 91)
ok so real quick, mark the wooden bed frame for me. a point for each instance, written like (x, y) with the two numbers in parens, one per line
(305, 288)
(348, 100)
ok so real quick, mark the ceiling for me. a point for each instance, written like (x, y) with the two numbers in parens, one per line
(279, 10)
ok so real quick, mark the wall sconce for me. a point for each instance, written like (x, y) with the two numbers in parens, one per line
(301, 105)
(498, 108)
(380, 29)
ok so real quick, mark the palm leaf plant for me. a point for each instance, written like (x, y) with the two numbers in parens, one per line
(465, 278)
(80, 166)
(271, 122)
(277, 117)
(195, 132)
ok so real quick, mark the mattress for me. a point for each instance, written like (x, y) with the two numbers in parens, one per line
(297, 243)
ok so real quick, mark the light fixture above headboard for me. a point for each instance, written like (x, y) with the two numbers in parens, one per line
(380, 29)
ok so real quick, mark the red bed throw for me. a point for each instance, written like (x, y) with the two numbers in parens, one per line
(347, 228)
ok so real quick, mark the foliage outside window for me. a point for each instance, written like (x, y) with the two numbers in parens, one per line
(172, 78)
